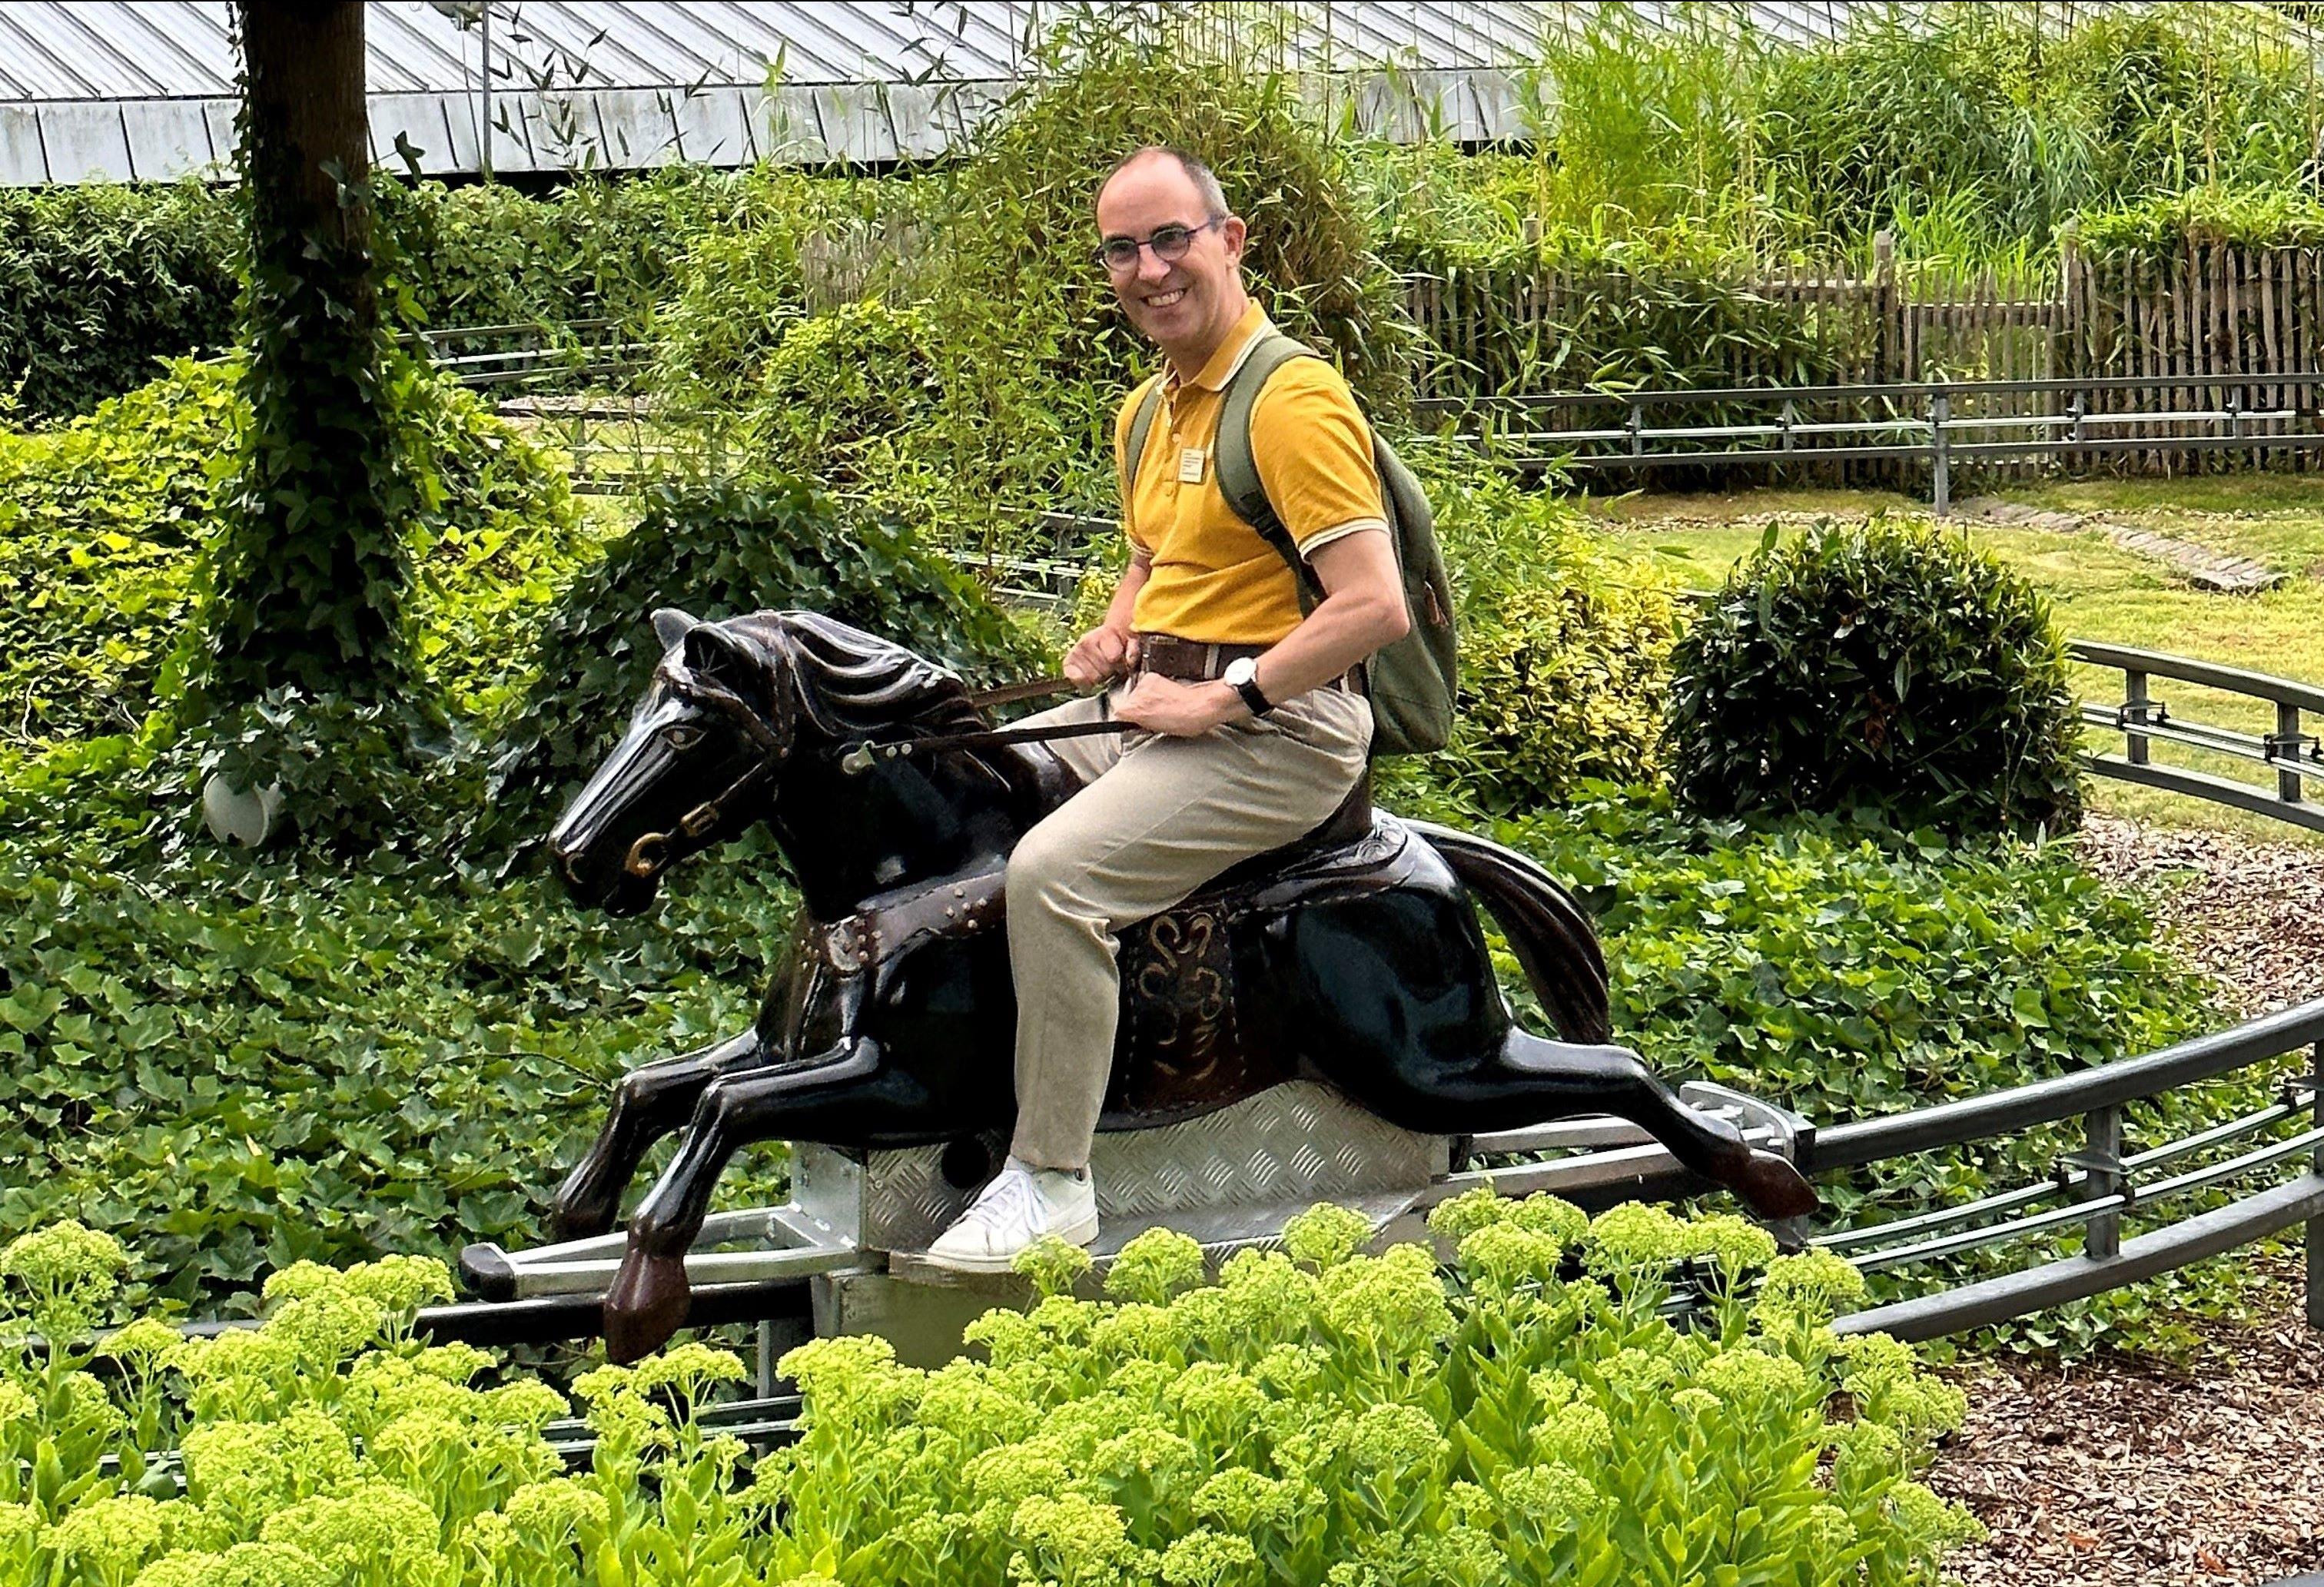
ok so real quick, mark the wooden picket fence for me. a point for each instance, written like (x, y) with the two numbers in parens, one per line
(2212, 311)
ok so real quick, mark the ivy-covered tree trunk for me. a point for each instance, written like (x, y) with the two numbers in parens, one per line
(310, 571)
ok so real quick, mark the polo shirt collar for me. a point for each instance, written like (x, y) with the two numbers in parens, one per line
(1231, 352)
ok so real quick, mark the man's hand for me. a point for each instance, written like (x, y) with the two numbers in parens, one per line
(1103, 652)
(1179, 710)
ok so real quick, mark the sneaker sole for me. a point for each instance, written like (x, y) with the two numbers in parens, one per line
(1080, 1233)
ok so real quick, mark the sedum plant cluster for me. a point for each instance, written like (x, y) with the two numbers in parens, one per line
(1320, 1416)
(1315, 1415)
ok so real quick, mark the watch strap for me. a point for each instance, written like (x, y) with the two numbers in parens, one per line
(1253, 696)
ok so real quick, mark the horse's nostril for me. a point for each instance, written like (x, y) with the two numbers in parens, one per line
(568, 866)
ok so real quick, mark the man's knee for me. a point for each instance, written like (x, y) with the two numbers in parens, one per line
(1045, 870)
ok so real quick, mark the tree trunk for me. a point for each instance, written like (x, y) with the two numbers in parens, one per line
(306, 130)
(311, 566)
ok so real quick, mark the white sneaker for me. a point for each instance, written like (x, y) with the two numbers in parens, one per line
(1021, 1206)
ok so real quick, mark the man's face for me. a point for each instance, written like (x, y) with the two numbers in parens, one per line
(1172, 301)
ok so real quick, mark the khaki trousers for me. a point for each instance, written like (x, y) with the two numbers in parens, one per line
(1155, 819)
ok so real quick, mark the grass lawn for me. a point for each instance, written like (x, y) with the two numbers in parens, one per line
(2101, 591)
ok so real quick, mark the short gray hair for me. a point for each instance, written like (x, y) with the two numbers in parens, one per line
(1205, 179)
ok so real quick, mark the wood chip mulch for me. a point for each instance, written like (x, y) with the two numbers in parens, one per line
(2124, 1471)
(2119, 1470)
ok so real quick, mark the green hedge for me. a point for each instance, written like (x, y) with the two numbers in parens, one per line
(99, 283)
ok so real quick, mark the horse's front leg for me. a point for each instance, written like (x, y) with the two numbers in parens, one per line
(648, 1103)
(649, 1296)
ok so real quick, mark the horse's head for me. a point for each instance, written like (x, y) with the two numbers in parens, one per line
(693, 769)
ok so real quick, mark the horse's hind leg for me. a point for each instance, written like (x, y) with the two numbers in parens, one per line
(1614, 1080)
(648, 1103)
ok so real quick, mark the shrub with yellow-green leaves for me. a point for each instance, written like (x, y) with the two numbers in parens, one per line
(1314, 1416)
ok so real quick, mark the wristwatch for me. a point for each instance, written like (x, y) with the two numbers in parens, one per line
(1242, 676)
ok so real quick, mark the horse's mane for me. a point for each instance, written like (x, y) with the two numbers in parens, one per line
(851, 683)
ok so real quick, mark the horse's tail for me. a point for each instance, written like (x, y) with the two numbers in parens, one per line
(1545, 927)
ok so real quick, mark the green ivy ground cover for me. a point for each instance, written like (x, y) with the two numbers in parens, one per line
(234, 1065)
(1314, 1417)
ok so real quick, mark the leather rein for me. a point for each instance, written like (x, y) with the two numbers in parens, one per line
(861, 757)
(650, 852)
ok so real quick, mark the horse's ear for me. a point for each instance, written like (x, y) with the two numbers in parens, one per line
(731, 660)
(671, 625)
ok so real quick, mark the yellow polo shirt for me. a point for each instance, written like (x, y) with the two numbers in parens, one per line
(1213, 578)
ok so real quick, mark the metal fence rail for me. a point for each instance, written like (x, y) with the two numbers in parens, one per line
(2146, 719)
(1931, 421)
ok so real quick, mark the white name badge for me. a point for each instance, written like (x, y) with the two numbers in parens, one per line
(1190, 466)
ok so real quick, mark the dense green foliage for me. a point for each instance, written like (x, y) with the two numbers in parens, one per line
(102, 281)
(96, 283)
(1877, 665)
(1853, 970)
(1970, 126)
(1325, 1417)
(1564, 646)
(1020, 354)
(237, 1063)
(1312, 1418)
(714, 551)
(103, 523)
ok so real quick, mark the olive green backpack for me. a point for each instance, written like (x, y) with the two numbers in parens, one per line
(1410, 683)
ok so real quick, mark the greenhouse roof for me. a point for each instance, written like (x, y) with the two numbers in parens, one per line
(112, 89)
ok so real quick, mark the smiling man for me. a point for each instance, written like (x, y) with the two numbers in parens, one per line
(1252, 728)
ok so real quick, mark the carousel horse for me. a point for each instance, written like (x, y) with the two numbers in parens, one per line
(1353, 956)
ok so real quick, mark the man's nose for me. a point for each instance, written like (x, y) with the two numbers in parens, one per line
(1151, 266)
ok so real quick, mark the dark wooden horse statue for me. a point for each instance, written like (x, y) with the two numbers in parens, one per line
(1353, 956)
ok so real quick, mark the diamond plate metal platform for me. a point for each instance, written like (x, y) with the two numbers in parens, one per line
(1294, 1145)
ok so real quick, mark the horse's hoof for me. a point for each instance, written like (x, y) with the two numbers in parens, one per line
(1775, 1189)
(577, 1213)
(647, 1304)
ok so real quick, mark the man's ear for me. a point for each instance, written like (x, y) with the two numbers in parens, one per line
(1234, 234)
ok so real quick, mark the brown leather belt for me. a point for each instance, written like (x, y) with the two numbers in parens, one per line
(1187, 661)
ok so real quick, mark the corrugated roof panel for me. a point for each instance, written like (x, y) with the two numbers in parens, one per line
(21, 147)
(85, 143)
(568, 75)
(168, 137)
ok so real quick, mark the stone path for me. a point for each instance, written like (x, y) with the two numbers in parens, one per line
(2201, 566)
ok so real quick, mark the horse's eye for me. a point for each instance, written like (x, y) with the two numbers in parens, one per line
(682, 737)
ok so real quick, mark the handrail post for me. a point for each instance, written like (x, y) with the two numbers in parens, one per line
(2135, 704)
(2287, 749)
(2101, 1159)
(2316, 1225)
(1941, 413)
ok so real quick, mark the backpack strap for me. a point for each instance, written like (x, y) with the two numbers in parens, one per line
(1141, 425)
(1239, 480)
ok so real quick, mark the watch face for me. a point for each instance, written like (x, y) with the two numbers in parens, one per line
(1240, 671)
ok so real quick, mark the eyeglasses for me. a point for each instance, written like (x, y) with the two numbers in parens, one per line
(1169, 242)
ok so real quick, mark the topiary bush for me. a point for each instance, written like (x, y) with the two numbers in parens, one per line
(846, 395)
(1878, 665)
(716, 550)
